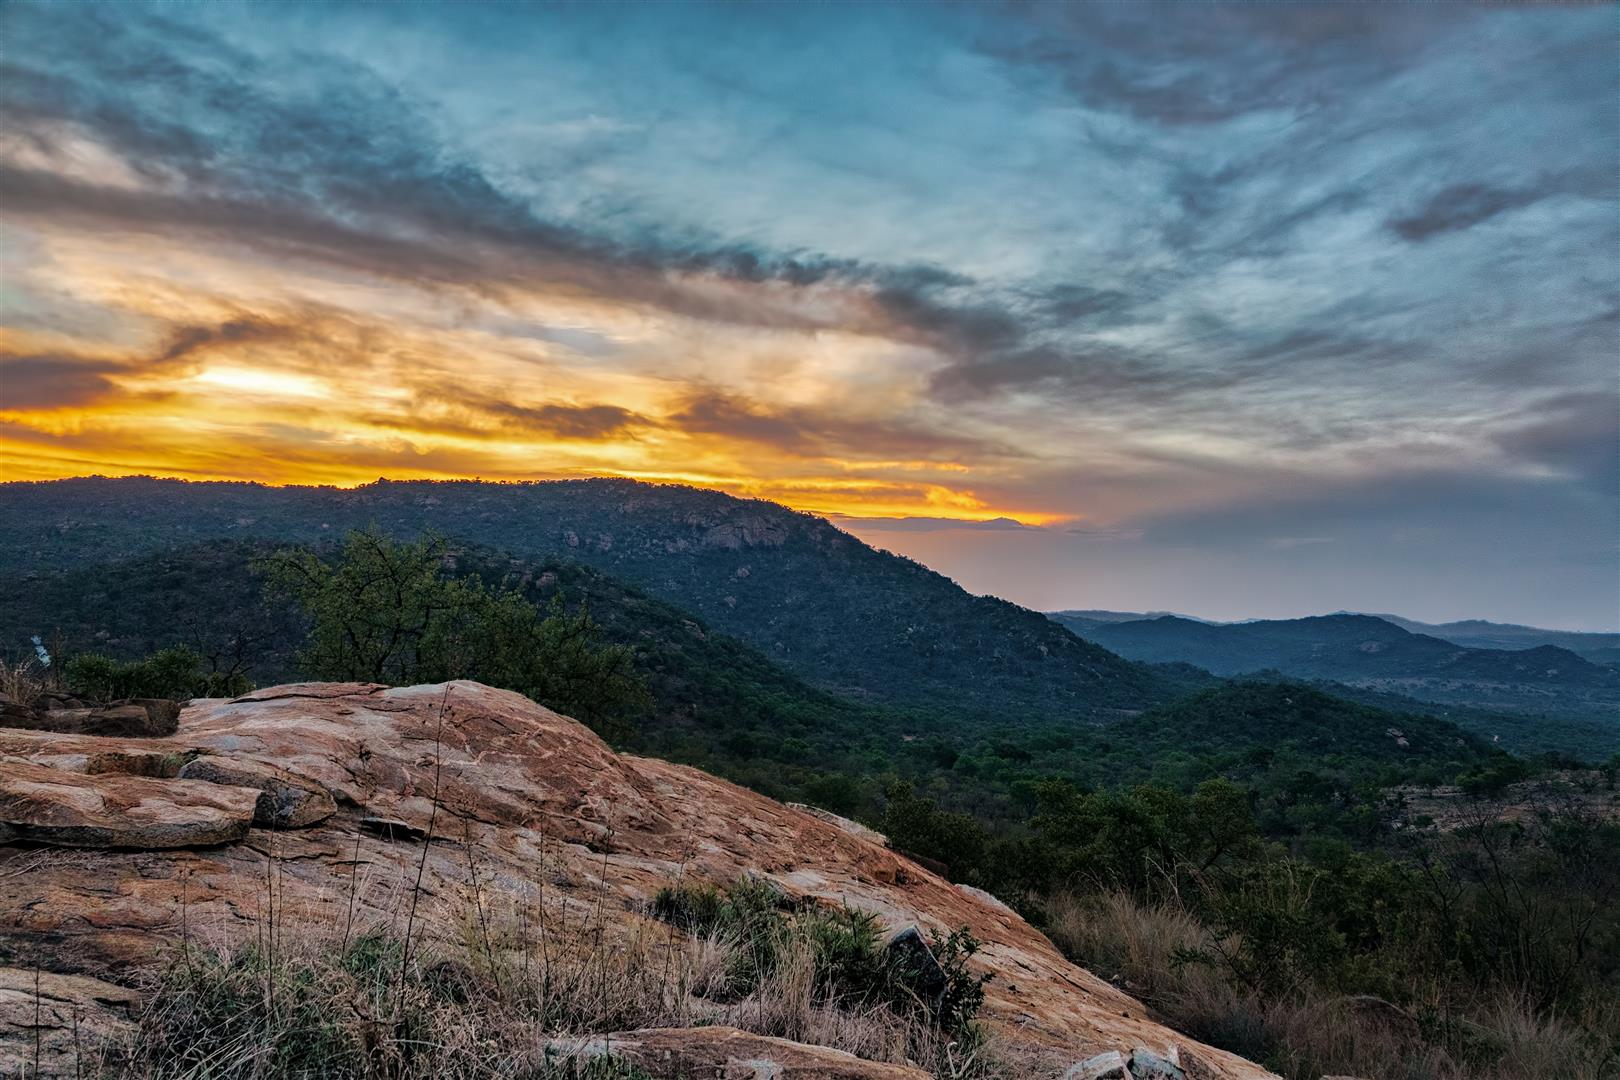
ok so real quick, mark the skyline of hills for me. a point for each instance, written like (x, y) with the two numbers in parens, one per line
(1471, 633)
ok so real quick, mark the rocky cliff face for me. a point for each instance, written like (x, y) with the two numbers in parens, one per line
(321, 804)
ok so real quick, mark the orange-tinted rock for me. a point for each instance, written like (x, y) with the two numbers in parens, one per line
(42, 805)
(71, 1016)
(539, 805)
(137, 718)
(285, 801)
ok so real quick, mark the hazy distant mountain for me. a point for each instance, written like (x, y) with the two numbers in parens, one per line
(1077, 620)
(809, 596)
(1340, 647)
(1480, 634)
(1369, 651)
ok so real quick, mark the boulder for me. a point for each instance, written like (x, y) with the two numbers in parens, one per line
(1146, 1065)
(726, 1052)
(1109, 1065)
(285, 801)
(42, 805)
(911, 954)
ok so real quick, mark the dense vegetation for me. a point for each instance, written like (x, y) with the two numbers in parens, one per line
(175, 672)
(1320, 937)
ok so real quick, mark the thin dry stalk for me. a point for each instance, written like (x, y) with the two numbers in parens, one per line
(38, 1028)
(427, 841)
(354, 882)
(478, 905)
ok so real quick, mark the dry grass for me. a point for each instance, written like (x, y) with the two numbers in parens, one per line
(498, 1003)
(23, 681)
(1317, 1033)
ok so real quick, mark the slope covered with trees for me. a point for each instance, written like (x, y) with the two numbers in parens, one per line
(840, 614)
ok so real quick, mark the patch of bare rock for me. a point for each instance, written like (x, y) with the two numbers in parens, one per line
(114, 845)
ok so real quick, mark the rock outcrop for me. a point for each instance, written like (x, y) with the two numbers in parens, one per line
(133, 718)
(280, 786)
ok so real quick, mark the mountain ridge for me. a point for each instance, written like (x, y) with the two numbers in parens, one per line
(1545, 682)
(842, 615)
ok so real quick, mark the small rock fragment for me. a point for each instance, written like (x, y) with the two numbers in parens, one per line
(1108, 1065)
(286, 801)
(1146, 1065)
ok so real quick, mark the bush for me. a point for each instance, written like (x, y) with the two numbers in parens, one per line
(851, 967)
(171, 673)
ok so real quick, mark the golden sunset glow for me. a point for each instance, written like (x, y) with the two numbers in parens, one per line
(285, 375)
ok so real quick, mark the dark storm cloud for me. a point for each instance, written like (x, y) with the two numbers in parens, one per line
(1462, 206)
(52, 382)
(587, 422)
(819, 432)
(1066, 303)
(1204, 64)
(186, 340)
(1576, 435)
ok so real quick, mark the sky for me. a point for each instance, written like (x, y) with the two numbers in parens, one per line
(1246, 310)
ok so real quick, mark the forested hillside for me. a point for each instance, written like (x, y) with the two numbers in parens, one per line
(846, 617)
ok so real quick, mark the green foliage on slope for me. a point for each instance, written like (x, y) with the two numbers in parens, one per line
(835, 612)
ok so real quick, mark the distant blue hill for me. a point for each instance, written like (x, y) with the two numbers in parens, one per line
(1480, 634)
(1375, 653)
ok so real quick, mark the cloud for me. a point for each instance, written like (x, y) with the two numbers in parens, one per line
(926, 524)
(1573, 435)
(587, 422)
(813, 432)
(47, 382)
(225, 146)
(1286, 543)
(188, 340)
(1462, 206)
(1119, 264)
(1208, 64)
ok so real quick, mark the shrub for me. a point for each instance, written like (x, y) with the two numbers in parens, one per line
(850, 966)
(170, 673)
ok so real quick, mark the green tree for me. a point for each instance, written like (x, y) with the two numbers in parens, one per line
(391, 612)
